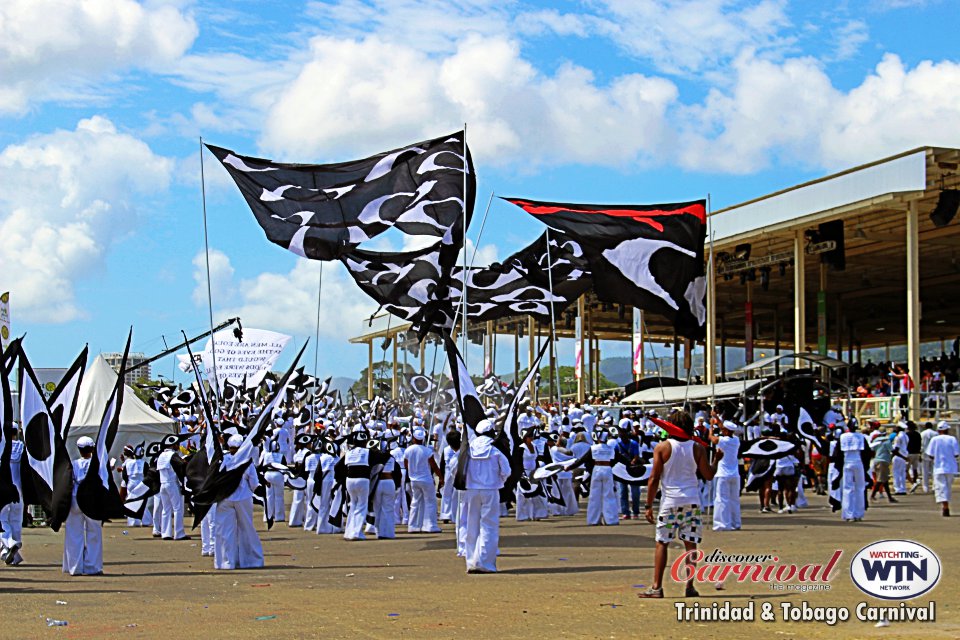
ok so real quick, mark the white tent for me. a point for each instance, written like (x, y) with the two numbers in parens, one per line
(693, 392)
(138, 422)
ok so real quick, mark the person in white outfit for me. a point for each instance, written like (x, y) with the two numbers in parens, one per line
(276, 508)
(602, 507)
(900, 457)
(11, 516)
(421, 466)
(527, 452)
(385, 498)
(926, 463)
(170, 467)
(564, 480)
(726, 504)
(358, 463)
(487, 470)
(324, 474)
(237, 543)
(853, 500)
(298, 504)
(449, 497)
(133, 466)
(83, 536)
(943, 451)
(310, 464)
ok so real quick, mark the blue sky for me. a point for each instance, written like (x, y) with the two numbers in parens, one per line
(102, 104)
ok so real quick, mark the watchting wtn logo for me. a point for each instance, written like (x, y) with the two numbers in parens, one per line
(895, 569)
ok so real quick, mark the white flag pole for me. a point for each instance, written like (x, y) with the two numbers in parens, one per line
(206, 244)
(316, 354)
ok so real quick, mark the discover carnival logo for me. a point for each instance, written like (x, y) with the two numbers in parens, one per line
(895, 569)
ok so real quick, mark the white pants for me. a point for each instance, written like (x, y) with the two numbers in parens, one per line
(706, 494)
(384, 502)
(423, 508)
(726, 503)
(147, 513)
(899, 475)
(481, 516)
(402, 513)
(298, 508)
(854, 484)
(237, 544)
(208, 532)
(310, 514)
(275, 505)
(323, 513)
(448, 499)
(82, 543)
(801, 498)
(926, 469)
(359, 491)
(171, 506)
(570, 506)
(11, 519)
(602, 503)
(156, 512)
(942, 486)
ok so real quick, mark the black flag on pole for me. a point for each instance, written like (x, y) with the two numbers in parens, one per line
(647, 256)
(323, 211)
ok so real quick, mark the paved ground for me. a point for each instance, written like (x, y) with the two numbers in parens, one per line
(559, 578)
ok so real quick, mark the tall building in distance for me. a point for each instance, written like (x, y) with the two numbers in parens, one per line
(134, 372)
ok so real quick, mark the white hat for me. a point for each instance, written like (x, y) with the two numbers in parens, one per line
(626, 423)
(419, 434)
(943, 426)
(85, 442)
(235, 441)
(732, 426)
(485, 427)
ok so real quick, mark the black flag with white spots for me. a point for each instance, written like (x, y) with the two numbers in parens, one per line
(324, 211)
(647, 256)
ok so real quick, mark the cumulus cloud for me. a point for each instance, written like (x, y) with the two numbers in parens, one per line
(61, 50)
(67, 197)
(285, 302)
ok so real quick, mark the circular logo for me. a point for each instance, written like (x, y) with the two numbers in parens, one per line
(895, 569)
(50, 387)
(4, 332)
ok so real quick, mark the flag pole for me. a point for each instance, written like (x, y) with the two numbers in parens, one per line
(206, 245)
(553, 325)
(316, 355)
(463, 292)
(656, 360)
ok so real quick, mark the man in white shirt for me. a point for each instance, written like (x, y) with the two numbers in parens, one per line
(943, 451)
(83, 536)
(421, 466)
(171, 500)
(926, 463)
(726, 504)
(853, 501)
(487, 470)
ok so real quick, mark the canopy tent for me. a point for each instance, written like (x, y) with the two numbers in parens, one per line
(813, 358)
(693, 392)
(138, 422)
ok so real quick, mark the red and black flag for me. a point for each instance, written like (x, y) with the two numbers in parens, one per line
(646, 256)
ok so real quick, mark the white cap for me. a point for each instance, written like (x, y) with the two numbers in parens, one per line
(419, 434)
(485, 426)
(943, 426)
(626, 423)
(732, 426)
(85, 442)
(235, 441)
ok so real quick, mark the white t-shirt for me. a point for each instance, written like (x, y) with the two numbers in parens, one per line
(730, 445)
(417, 458)
(944, 451)
(167, 475)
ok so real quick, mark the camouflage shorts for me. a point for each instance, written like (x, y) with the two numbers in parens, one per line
(683, 522)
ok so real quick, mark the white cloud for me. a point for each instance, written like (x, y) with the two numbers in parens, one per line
(67, 197)
(378, 93)
(52, 50)
(286, 302)
(791, 112)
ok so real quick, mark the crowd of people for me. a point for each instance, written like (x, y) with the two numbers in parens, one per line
(375, 467)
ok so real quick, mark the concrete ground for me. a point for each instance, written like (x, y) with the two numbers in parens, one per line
(558, 578)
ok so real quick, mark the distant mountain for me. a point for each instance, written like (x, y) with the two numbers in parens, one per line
(618, 370)
(341, 384)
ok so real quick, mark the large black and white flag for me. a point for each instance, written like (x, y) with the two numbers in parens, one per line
(324, 211)
(97, 494)
(468, 403)
(47, 476)
(510, 426)
(63, 400)
(527, 282)
(414, 285)
(647, 256)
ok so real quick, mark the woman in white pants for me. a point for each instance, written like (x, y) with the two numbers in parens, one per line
(325, 476)
(384, 501)
(726, 505)
(564, 481)
(358, 462)
(298, 504)
(83, 536)
(449, 498)
(275, 509)
(421, 466)
(602, 507)
(237, 543)
(310, 465)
